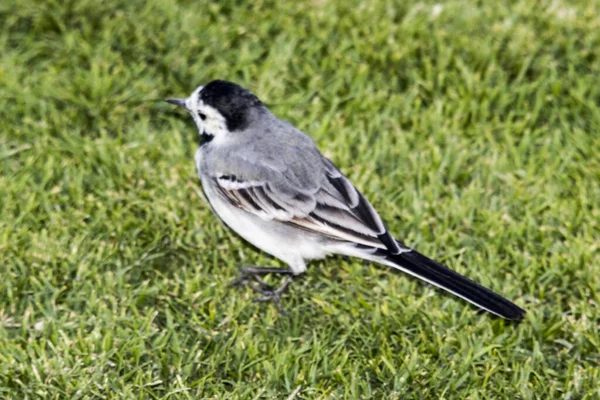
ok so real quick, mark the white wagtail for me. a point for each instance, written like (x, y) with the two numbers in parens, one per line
(268, 181)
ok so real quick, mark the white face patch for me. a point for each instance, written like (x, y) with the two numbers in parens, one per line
(213, 123)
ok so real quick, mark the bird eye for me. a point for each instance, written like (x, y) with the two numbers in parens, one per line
(202, 116)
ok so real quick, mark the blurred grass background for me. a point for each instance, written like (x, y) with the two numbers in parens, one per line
(472, 126)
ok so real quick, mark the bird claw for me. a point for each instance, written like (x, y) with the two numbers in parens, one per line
(244, 280)
(272, 295)
(268, 292)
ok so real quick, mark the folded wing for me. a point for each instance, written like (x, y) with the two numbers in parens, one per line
(334, 208)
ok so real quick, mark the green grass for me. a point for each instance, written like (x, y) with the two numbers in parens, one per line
(473, 128)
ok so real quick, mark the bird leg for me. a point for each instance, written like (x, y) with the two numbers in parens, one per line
(268, 292)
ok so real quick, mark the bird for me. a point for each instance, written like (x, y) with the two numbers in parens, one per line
(268, 182)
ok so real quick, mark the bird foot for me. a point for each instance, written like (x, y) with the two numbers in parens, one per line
(268, 292)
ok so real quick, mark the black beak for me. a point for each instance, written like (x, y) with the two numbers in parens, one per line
(177, 102)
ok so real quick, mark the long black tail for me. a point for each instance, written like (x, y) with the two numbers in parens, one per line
(415, 263)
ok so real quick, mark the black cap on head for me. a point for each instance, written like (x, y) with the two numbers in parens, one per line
(232, 101)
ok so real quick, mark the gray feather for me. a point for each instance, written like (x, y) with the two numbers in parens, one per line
(281, 175)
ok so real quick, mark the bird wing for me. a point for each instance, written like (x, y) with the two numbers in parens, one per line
(333, 208)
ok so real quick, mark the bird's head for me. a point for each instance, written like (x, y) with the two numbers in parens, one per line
(220, 108)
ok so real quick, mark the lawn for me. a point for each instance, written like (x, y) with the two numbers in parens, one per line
(474, 127)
